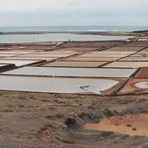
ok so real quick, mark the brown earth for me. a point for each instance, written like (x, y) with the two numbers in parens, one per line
(134, 125)
(41, 119)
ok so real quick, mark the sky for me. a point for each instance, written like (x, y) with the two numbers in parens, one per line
(73, 12)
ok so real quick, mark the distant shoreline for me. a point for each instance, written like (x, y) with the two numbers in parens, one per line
(109, 33)
(143, 33)
(132, 36)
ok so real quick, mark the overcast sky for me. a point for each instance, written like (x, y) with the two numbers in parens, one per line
(73, 12)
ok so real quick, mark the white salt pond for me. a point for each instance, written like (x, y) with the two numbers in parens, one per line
(142, 85)
(5, 66)
(73, 72)
(56, 85)
(18, 62)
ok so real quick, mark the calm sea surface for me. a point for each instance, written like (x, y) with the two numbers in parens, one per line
(63, 36)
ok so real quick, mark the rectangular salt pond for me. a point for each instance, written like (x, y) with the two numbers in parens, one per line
(3, 65)
(29, 58)
(45, 55)
(124, 49)
(127, 64)
(58, 85)
(106, 54)
(74, 72)
(77, 49)
(18, 62)
(74, 64)
(91, 59)
(134, 59)
(137, 44)
(14, 52)
(8, 54)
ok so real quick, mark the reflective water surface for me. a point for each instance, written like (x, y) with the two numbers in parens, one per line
(56, 85)
(80, 72)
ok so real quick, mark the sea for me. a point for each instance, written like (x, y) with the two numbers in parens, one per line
(63, 36)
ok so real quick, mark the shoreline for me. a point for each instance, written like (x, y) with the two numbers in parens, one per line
(64, 36)
(132, 36)
(109, 33)
(112, 33)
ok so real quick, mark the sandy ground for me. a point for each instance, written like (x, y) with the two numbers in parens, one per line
(40, 120)
(134, 125)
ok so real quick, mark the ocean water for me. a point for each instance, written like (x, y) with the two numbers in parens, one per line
(63, 36)
(72, 28)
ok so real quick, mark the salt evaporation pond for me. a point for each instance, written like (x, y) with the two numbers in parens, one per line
(56, 85)
(142, 85)
(79, 72)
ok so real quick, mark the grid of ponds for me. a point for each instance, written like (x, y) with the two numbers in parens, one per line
(75, 69)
